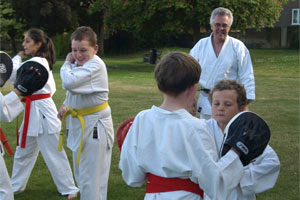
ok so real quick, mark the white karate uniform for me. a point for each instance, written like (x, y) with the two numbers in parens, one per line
(259, 176)
(177, 145)
(42, 135)
(87, 86)
(233, 63)
(10, 107)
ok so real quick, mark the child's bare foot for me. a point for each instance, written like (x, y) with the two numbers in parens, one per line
(72, 196)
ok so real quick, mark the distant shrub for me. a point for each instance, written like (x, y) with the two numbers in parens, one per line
(62, 44)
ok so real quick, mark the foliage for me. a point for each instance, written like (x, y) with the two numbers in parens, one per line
(62, 44)
(150, 21)
(53, 16)
(254, 13)
(10, 27)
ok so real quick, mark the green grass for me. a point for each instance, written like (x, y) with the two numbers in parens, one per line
(132, 89)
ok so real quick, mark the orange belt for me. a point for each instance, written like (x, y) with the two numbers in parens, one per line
(5, 143)
(27, 100)
(158, 184)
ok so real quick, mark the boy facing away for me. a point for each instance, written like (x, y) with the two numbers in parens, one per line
(171, 148)
(89, 122)
(228, 98)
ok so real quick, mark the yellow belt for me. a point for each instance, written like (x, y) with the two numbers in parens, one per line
(79, 113)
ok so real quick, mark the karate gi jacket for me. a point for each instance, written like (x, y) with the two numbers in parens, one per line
(43, 108)
(259, 176)
(10, 108)
(87, 86)
(233, 63)
(177, 145)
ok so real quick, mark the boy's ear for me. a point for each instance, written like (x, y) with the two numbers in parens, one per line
(96, 48)
(243, 108)
(193, 88)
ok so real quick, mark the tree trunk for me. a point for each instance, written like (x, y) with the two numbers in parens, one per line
(101, 39)
(13, 44)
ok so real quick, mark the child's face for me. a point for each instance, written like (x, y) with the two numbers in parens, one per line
(224, 106)
(82, 51)
(30, 47)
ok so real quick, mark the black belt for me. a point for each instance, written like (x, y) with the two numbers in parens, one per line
(205, 90)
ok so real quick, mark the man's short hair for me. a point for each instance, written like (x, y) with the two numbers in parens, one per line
(221, 11)
(176, 72)
(85, 33)
(231, 85)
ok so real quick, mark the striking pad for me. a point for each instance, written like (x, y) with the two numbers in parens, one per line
(31, 77)
(6, 67)
(123, 130)
(249, 134)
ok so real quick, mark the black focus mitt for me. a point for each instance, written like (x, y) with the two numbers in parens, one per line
(122, 131)
(249, 134)
(32, 76)
(6, 67)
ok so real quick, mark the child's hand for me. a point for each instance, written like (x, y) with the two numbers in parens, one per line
(22, 54)
(63, 109)
(70, 58)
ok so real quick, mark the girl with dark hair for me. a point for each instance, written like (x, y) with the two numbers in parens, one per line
(40, 129)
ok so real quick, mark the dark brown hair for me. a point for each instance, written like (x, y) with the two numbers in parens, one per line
(176, 72)
(47, 49)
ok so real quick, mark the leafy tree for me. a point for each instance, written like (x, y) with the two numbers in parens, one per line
(92, 14)
(53, 16)
(10, 27)
(151, 20)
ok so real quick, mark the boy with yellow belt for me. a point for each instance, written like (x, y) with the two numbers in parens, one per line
(89, 123)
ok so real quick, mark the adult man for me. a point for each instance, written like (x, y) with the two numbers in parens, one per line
(222, 57)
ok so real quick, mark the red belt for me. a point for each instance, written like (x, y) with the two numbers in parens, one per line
(27, 100)
(5, 143)
(158, 184)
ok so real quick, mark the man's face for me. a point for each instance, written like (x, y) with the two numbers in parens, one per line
(220, 27)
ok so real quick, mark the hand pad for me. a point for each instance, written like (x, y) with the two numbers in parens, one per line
(122, 131)
(31, 77)
(249, 134)
(6, 67)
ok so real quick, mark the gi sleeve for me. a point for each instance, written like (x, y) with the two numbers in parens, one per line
(195, 51)
(262, 174)
(217, 179)
(17, 60)
(10, 107)
(86, 79)
(245, 71)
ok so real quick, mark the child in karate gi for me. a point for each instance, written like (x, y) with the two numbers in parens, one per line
(10, 107)
(228, 98)
(170, 149)
(43, 125)
(89, 123)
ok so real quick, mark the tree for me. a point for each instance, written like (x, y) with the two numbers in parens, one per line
(10, 27)
(53, 16)
(93, 15)
(151, 20)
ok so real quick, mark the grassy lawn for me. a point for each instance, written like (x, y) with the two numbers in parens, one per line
(132, 89)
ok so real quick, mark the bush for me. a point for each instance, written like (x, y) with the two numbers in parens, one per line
(62, 44)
